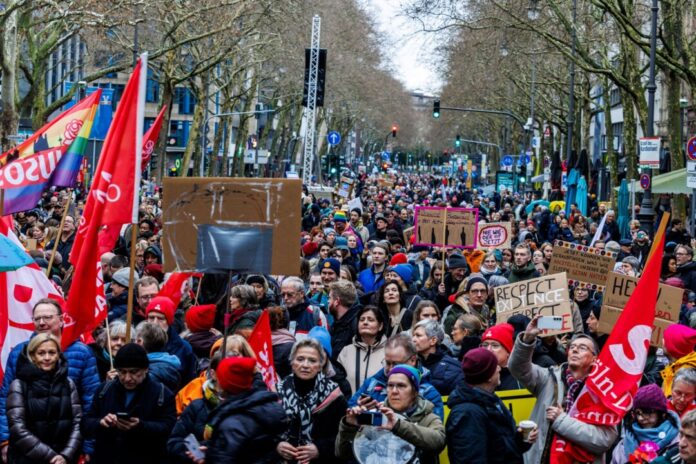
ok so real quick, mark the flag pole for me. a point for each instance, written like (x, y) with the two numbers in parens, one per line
(2, 202)
(198, 290)
(139, 124)
(108, 344)
(60, 234)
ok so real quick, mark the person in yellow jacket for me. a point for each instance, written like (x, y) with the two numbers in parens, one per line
(679, 341)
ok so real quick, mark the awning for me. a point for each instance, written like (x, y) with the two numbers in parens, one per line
(669, 182)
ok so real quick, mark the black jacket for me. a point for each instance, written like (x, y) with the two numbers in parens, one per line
(445, 371)
(246, 429)
(480, 429)
(43, 413)
(343, 331)
(152, 404)
(526, 273)
(687, 273)
(192, 420)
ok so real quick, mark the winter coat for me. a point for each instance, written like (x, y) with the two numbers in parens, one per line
(451, 287)
(118, 306)
(164, 368)
(480, 429)
(668, 373)
(306, 317)
(202, 342)
(192, 420)
(371, 281)
(101, 356)
(458, 308)
(422, 428)
(343, 331)
(182, 350)
(152, 403)
(618, 456)
(82, 369)
(44, 414)
(283, 342)
(526, 273)
(361, 361)
(565, 235)
(246, 428)
(445, 370)
(687, 273)
(547, 385)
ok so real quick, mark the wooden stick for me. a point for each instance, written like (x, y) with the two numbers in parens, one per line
(198, 290)
(444, 245)
(658, 236)
(60, 234)
(131, 282)
(225, 325)
(108, 344)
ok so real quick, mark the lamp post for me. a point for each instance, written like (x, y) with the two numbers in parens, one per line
(683, 103)
(646, 214)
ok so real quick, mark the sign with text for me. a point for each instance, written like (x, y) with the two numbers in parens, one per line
(451, 227)
(649, 148)
(494, 235)
(345, 187)
(620, 288)
(546, 295)
(584, 265)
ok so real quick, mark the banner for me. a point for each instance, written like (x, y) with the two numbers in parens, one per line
(260, 341)
(585, 266)
(546, 295)
(495, 235)
(176, 285)
(451, 227)
(151, 136)
(50, 157)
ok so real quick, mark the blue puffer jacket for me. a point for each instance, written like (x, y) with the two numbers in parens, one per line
(82, 369)
(164, 368)
(445, 371)
(370, 281)
(182, 350)
(376, 388)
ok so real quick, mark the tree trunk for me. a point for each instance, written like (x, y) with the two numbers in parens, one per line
(629, 136)
(194, 141)
(612, 157)
(9, 121)
(160, 167)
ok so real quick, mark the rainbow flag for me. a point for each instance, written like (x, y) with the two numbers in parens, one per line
(50, 157)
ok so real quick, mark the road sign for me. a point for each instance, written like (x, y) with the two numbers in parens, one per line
(507, 160)
(334, 138)
(691, 148)
(645, 181)
(691, 174)
(649, 152)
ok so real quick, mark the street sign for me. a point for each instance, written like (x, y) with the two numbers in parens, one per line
(334, 138)
(649, 152)
(644, 181)
(507, 160)
(691, 148)
(691, 174)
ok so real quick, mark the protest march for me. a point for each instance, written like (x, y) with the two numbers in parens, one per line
(404, 317)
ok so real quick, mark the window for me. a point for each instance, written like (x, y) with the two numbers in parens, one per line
(152, 88)
(178, 133)
(614, 97)
(618, 135)
(185, 100)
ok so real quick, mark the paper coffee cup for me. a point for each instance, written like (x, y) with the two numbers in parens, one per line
(527, 426)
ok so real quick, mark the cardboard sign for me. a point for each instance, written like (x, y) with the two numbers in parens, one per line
(459, 226)
(345, 187)
(408, 233)
(31, 244)
(385, 184)
(584, 265)
(619, 289)
(495, 235)
(234, 203)
(546, 295)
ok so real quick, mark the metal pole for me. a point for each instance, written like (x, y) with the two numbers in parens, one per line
(311, 100)
(647, 213)
(571, 87)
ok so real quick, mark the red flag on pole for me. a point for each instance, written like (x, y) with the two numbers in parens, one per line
(150, 138)
(608, 392)
(173, 288)
(260, 341)
(112, 201)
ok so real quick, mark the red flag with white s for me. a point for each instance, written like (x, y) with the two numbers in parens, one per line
(151, 136)
(262, 344)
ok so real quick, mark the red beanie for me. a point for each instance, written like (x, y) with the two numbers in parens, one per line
(501, 333)
(679, 340)
(164, 305)
(200, 318)
(309, 248)
(236, 374)
(399, 258)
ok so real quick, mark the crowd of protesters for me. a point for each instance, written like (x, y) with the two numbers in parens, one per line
(370, 342)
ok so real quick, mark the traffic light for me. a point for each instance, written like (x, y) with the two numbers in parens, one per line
(523, 173)
(436, 109)
(394, 129)
(458, 141)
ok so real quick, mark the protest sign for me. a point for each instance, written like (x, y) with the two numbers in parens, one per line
(494, 235)
(408, 233)
(546, 295)
(585, 266)
(619, 289)
(451, 227)
(345, 187)
(260, 210)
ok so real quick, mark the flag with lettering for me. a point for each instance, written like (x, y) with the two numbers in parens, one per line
(50, 157)
(262, 344)
(176, 285)
(609, 389)
(112, 201)
(151, 136)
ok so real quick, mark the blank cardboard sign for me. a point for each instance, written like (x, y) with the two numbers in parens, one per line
(229, 203)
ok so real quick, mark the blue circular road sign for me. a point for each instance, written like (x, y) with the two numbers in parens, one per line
(333, 137)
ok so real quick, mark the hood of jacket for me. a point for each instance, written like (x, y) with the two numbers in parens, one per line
(29, 372)
(465, 393)
(688, 267)
(281, 336)
(164, 358)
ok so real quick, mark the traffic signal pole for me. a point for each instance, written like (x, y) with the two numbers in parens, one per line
(479, 110)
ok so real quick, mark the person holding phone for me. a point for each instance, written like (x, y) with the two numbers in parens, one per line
(405, 414)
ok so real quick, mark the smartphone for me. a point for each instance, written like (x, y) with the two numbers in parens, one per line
(550, 322)
(373, 418)
(123, 415)
(193, 446)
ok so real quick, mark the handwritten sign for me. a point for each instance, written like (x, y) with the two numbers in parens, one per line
(582, 264)
(494, 235)
(620, 287)
(546, 295)
(345, 187)
(459, 226)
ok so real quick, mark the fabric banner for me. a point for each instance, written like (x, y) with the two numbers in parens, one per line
(176, 285)
(151, 136)
(260, 341)
(105, 111)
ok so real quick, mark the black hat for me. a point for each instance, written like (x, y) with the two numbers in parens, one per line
(456, 261)
(131, 355)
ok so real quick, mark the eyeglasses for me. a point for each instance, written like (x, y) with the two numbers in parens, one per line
(39, 319)
(580, 348)
(643, 412)
(679, 394)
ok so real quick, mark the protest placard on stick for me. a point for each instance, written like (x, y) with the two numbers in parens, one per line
(584, 265)
(495, 235)
(450, 227)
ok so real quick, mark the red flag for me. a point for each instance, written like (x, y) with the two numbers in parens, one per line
(613, 381)
(174, 287)
(260, 341)
(151, 136)
(112, 201)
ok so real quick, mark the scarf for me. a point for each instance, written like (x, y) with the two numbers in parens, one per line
(300, 408)
(662, 435)
(574, 386)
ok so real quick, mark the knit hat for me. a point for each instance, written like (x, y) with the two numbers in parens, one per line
(475, 278)
(410, 372)
(328, 231)
(236, 374)
(398, 258)
(340, 216)
(309, 248)
(200, 318)
(457, 261)
(164, 305)
(131, 355)
(357, 210)
(256, 279)
(321, 335)
(650, 397)
(405, 271)
(418, 248)
(501, 333)
(121, 277)
(331, 263)
(380, 217)
(341, 243)
(479, 365)
(679, 340)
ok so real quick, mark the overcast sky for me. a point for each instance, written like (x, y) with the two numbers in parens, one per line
(410, 50)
